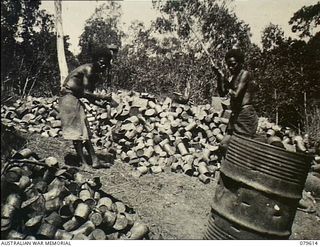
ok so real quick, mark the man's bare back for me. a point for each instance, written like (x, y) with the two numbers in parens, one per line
(83, 77)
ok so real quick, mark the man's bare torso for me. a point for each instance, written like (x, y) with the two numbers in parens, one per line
(246, 96)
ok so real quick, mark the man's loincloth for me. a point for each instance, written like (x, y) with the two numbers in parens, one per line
(243, 121)
(74, 122)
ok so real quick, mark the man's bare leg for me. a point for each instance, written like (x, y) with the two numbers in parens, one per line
(224, 144)
(78, 146)
(95, 161)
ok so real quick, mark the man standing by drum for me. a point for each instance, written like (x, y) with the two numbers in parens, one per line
(80, 83)
(241, 89)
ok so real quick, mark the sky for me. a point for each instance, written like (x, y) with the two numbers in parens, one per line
(257, 13)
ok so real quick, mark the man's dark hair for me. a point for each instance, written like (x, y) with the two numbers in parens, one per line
(235, 53)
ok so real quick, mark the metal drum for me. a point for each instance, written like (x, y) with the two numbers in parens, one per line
(258, 191)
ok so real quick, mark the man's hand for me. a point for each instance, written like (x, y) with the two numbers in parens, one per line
(114, 103)
(232, 92)
(106, 99)
(99, 103)
(105, 96)
(215, 68)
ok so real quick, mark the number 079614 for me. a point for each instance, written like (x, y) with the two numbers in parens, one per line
(308, 242)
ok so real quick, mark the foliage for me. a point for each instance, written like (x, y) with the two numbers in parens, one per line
(101, 29)
(212, 21)
(16, 20)
(272, 37)
(312, 126)
(305, 20)
(288, 76)
(172, 45)
(29, 49)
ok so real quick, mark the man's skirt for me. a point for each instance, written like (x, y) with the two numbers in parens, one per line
(243, 122)
(74, 122)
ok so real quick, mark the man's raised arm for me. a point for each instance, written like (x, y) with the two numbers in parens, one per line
(223, 84)
(95, 96)
(244, 79)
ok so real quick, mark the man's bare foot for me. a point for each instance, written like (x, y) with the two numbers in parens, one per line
(307, 203)
(84, 166)
(96, 164)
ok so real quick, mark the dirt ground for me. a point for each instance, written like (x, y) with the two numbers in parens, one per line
(175, 206)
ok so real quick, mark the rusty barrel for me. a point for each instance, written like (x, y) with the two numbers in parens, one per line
(258, 191)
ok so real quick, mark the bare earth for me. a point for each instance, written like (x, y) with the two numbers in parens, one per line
(175, 206)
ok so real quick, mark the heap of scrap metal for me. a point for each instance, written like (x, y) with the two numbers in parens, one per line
(149, 134)
(41, 199)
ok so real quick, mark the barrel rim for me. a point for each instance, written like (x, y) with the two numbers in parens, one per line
(282, 168)
(307, 156)
(298, 161)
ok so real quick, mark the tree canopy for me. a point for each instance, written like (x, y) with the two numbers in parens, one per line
(28, 47)
(305, 20)
(101, 29)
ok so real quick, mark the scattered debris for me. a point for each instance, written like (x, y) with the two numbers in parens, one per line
(43, 200)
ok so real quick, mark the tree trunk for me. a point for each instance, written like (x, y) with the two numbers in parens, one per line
(305, 110)
(63, 67)
(277, 110)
